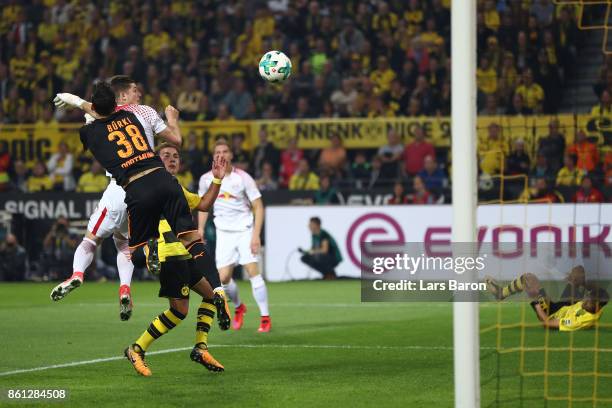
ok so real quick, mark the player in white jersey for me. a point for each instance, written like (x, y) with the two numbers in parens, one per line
(110, 216)
(239, 214)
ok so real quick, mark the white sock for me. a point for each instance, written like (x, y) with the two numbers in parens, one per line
(124, 261)
(260, 293)
(232, 291)
(84, 255)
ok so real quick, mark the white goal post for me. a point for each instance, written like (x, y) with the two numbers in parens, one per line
(463, 115)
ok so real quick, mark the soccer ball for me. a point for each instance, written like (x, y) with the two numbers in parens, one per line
(274, 66)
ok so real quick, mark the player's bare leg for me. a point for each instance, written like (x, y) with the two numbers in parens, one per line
(260, 294)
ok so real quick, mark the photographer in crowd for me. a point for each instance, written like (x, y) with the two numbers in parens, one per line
(58, 250)
(12, 259)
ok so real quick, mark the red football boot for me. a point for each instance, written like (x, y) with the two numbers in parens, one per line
(266, 324)
(239, 316)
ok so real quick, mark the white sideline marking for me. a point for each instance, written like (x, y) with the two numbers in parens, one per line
(173, 350)
(315, 305)
(85, 362)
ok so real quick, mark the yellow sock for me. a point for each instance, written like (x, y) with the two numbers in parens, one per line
(206, 314)
(516, 286)
(158, 327)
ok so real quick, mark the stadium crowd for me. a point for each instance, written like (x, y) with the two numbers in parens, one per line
(351, 59)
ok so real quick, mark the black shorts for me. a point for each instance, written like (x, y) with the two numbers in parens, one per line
(177, 277)
(150, 197)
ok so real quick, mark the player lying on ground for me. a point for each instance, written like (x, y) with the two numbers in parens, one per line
(179, 273)
(110, 217)
(238, 220)
(116, 140)
(579, 307)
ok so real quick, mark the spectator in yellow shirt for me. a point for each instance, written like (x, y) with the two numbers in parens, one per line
(570, 175)
(155, 41)
(188, 102)
(384, 19)
(39, 180)
(9, 15)
(19, 65)
(430, 38)
(60, 166)
(67, 65)
(264, 22)
(157, 99)
(491, 16)
(414, 15)
(382, 76)
(304, 178)
(486, 77)
(508, 78)
(47, 30)
(319, 57)
(532, 93)
(94, 181)
(492, 152)
(604, 107)
(241, 57)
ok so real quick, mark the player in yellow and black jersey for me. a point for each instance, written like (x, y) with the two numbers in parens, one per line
(182, 272)
(579, 307)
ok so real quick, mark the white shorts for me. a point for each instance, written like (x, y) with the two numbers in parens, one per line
(234, 247)
(111, 213)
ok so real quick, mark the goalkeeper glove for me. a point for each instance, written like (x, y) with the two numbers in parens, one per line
(89, 118)
(67, 100)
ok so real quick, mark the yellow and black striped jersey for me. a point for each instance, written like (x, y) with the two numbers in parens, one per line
(168, 245)
(574, 317)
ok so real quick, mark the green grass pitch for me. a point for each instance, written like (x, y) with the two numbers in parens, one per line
(326, 349)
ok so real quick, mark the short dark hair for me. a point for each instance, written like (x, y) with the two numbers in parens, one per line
(103, 99)
(316, 220)
(598, 294)
(121, 83)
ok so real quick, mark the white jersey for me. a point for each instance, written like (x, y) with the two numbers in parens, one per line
(110, 215)
(232, 208)
(152, 123)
